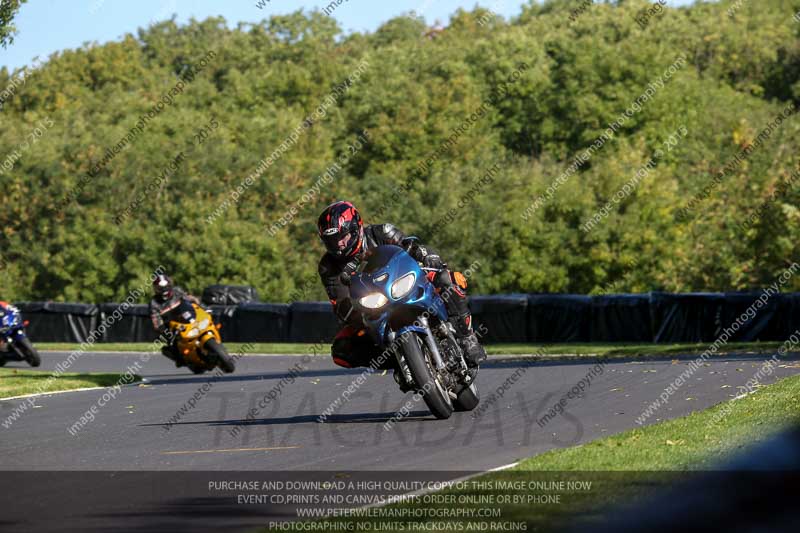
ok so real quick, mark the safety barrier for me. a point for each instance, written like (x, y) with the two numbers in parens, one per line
(537, 318)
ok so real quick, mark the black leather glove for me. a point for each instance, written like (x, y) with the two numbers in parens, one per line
(433, 261)
(424, 255)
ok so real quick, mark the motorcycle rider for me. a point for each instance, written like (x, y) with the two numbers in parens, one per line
(10, 310)
(347, 240)
(167, 297)
(6, 307)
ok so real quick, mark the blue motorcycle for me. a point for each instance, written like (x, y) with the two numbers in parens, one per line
(14, 344)
(406, 317)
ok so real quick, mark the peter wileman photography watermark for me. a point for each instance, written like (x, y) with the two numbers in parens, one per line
(577, 391)
(646, 15)
(387, 353)
(466, 199)
(749, 314)
(320, 112)
(17, 82)
(323, 180)
(583, 6)
(94, 336)
(167, 100)
(152, 186)
(272, 395)
(400, 192)
(741, 156)
(204, 389)
(766, 369)
(31, 139)
(611, 130)
(779, 192)
(633, 183)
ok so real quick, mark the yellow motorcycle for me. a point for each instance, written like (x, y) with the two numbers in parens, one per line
(199, 342)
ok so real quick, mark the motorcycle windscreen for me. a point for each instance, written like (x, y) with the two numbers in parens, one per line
(380, 257)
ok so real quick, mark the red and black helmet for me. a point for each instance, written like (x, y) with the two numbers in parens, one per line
(341, 229)
(162, 287)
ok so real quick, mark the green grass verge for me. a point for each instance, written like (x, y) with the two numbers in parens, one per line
(16, 382)
(697, 441)
(621, 467)
(233, 347)
(601, 350)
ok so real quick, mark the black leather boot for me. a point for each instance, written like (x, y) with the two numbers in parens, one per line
(473, 351)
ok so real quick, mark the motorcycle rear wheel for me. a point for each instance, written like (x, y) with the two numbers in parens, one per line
(223, 360)
(419, 363)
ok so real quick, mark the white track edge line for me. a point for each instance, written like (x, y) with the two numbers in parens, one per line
(402, 497)
(35, 394)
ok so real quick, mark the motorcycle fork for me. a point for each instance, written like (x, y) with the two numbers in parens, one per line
(431, 342)
(401, 360)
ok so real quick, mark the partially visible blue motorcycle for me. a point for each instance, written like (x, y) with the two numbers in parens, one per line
(14, 343)
(404, 315)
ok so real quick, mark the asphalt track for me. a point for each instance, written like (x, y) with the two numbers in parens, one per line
(129, 431)
(126, 471)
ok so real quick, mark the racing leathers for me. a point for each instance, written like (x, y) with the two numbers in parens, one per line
(351, 348)
(158, 312)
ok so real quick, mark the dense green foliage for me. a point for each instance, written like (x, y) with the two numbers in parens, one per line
(8, 10)
(581, 72)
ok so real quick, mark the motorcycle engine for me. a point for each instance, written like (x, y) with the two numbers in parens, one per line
(448, 348)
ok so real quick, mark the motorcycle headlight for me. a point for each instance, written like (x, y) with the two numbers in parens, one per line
(374, 301)
(194, 332)
(203, 325)
(403, 286)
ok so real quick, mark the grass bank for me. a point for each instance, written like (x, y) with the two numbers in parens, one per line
(587, 350)
(17, 382)
(603, 473)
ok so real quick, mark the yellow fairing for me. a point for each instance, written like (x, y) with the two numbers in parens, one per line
(194, 335)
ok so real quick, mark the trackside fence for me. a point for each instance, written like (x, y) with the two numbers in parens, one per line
(516, 318)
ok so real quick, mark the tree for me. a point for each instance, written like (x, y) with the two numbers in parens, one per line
(8, 10)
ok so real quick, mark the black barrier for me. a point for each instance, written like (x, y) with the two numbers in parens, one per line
(755, 328)
(131, 324)
(559, 318)
(257, 322)
(229, 294)
(538, 318)
(312, 322)
(59, 322)
(503, 317)
(786, 319)
(691, 317)
(225, 317)
(621, 318)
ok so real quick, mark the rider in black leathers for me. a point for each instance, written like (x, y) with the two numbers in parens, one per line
(166, 297)
(347, 240)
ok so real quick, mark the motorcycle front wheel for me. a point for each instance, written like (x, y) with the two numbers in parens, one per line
(419, 363)
(29, 353)
(468, 399)
(218, 351)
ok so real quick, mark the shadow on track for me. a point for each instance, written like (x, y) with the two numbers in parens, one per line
(172, 379)
(357, 418)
